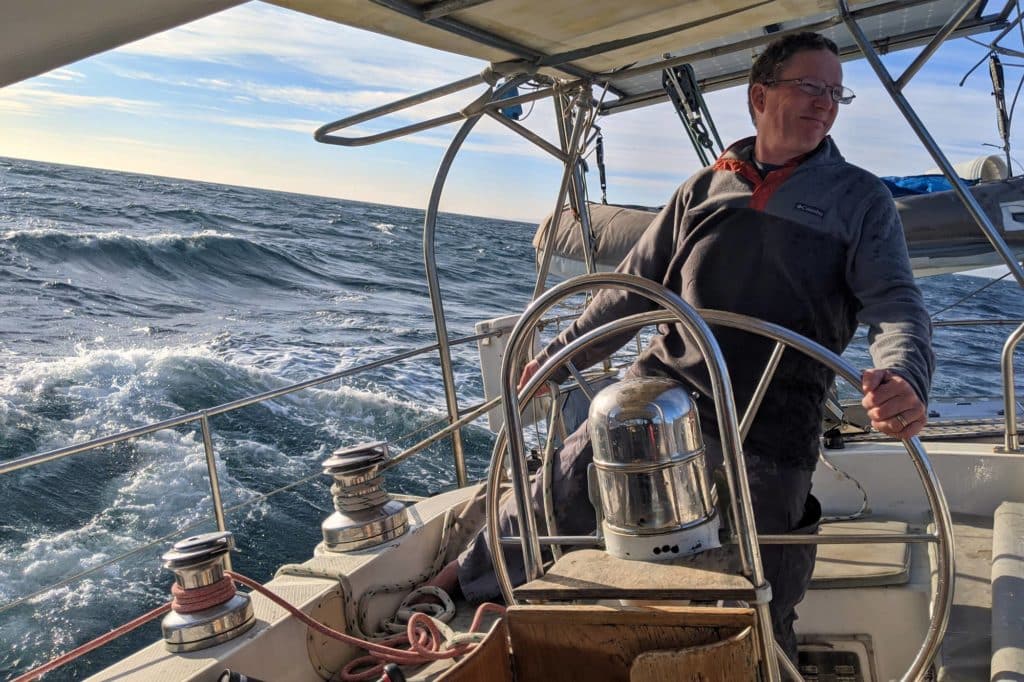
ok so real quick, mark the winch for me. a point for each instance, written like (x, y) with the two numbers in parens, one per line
(206, 610)
(656, 497)
(366, 515)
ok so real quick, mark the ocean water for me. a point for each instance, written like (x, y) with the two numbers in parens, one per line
(127, 299)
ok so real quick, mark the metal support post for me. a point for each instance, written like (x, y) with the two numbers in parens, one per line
(434, 286)
(211, 466)
(1012, 440)
(937, 40)
(570, 147)
(579, 186)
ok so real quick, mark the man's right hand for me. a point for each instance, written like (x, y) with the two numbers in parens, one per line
(892, 404)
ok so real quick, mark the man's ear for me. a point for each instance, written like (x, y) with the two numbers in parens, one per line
(758, 92)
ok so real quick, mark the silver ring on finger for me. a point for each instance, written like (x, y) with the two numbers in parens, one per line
(901, 420)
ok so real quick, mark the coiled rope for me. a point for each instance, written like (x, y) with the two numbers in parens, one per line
(426, 641)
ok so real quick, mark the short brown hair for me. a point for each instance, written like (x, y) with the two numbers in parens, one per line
(768, 64)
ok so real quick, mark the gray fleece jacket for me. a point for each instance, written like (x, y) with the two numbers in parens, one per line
(815, 246)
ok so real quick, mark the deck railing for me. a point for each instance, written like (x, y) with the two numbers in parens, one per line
(203, 418)
(1012, 441)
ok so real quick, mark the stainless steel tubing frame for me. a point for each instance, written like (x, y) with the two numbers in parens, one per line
(980, 322)
(575, 540)
(482, 104)
(323, 133)
(434, 285)
(859, 539)
(787, 665)
(570, 147)
(935, 43)
(548, 463)
(972, 205)
(725, 408)
(528, 134)
(1012, 440)
(433, 438)
(585, 116)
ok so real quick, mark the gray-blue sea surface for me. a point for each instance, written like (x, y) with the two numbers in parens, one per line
(127, 299)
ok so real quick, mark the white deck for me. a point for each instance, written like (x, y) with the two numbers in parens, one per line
(889, 621)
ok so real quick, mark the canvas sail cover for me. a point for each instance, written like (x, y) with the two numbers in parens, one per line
(941, 235)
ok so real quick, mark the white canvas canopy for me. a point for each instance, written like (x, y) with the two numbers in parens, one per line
(41, 35)
(613, 41)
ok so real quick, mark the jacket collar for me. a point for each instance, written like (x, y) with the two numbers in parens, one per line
(824, 153)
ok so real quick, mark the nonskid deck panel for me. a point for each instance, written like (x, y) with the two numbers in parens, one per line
(966, 652)
(951, 430)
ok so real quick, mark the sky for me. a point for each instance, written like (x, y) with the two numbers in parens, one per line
(234, 98)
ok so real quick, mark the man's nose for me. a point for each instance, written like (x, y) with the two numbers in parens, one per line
(824, 101)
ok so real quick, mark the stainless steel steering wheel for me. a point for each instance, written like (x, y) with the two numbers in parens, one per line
(695, 323)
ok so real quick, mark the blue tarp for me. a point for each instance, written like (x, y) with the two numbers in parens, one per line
(902, 186)
(515, 111)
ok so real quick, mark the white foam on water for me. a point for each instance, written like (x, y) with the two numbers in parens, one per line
(87, 237)
(166, 487)
(168, 490)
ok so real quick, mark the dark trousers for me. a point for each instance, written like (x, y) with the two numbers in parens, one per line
(781, 500)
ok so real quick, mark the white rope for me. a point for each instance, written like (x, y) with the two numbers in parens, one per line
(356, 612)
(440, 613)
(864, 494)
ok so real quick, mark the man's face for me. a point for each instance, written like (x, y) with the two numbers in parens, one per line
(789, 121)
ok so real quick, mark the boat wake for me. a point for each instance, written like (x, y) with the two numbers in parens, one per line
(93, 507)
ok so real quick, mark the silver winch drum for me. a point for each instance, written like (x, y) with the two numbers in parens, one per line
(366, 516)
(655, 491)
(199, 562)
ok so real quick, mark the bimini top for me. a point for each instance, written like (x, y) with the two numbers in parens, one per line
(41, 35)
(625, 43)
(619, 43)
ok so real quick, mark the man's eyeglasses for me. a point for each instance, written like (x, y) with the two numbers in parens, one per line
(838, 93)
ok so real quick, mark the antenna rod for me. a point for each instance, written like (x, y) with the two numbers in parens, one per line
(995, 71)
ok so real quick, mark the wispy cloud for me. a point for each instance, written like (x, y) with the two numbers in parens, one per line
(492, 140)
(63, 75)
(320, 48)
(284, 125)
(332, 101)
(14, 106)
(134, 143)
(33, 98)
